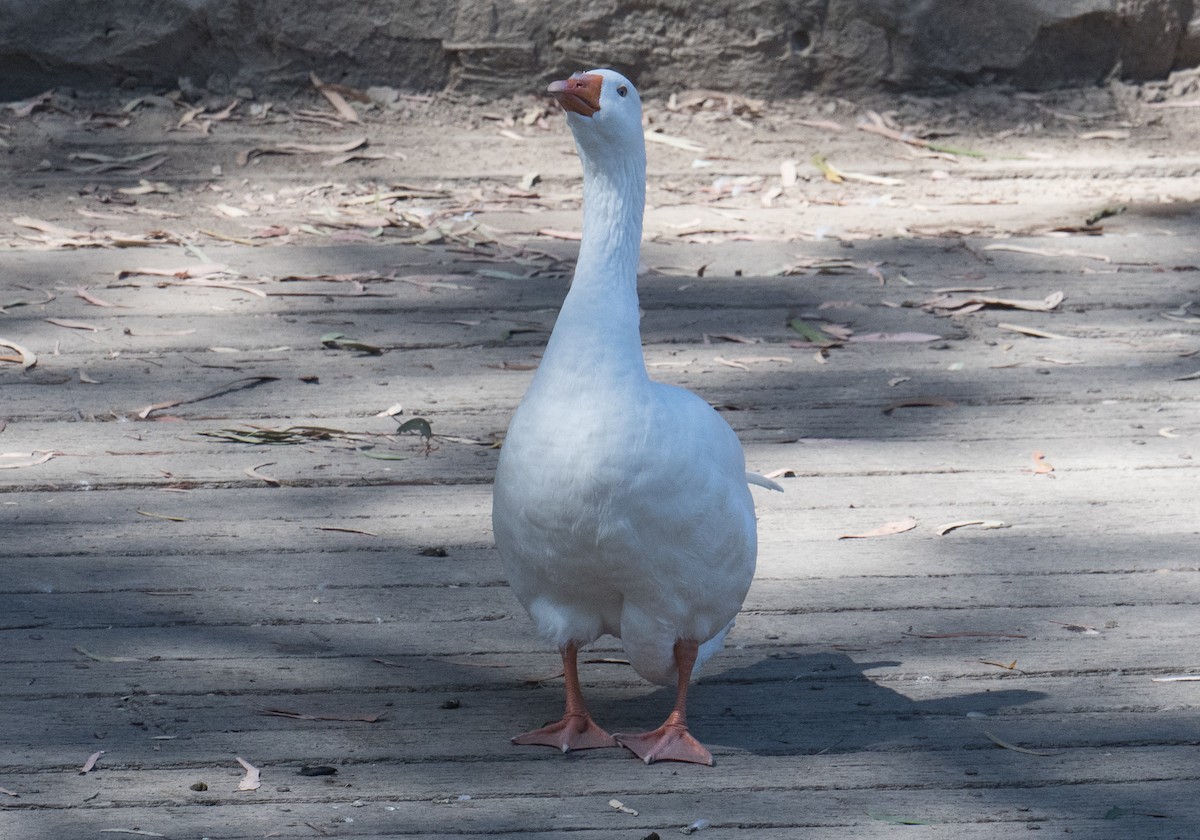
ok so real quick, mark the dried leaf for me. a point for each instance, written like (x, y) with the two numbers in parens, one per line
(253, 472)
(337, 341)
(27, 358)
(241, 240)
(885, 530)
(983, 524)
(245, 156)
(1046, 252)
(946, 303)
(571, 235)
(164, 516)
(48, 227)
(145, 187)
(1007, 666)
(74, 325)
(814, 333)
(723, 361)
(90, 764)
(894, 337)
(186, 272)
(336, 99)
(1077, 628)
(1015, 748)
(231, 211)
(1040, 465)
(676, 142)
(38, 456)
(618, 805)
(1030, 331)
(252, 780)
(346, 530)
(27, 106)
(12, 304)
(83, 293)
(832, 175)
(417, 424)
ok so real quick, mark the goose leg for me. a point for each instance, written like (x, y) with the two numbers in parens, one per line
(672, 741)
(576, 730)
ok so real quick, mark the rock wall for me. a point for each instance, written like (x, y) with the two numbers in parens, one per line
(497, 47)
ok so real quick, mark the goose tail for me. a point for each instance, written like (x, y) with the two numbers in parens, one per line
(762, 481)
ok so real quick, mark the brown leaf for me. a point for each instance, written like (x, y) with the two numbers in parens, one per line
(245, 156)
(885, 530)
(336, 99)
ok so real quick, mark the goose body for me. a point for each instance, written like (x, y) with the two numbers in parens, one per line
(621, 504)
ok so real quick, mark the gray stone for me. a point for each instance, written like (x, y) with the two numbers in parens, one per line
(499, 47)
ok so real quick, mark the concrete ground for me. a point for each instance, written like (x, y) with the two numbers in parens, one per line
(217, 545)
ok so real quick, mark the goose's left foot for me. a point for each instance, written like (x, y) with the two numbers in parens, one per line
(670, 742)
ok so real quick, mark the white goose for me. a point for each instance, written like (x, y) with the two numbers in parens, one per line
(621, 504)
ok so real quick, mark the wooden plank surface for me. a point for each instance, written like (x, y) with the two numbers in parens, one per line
(158, 600)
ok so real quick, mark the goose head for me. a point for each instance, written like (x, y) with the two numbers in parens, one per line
(604, 112)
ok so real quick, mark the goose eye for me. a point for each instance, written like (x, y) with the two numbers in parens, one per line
(622, 91)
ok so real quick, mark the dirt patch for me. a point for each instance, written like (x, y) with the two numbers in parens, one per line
(397, 168)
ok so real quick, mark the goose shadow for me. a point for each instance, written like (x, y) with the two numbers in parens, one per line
(791, 703)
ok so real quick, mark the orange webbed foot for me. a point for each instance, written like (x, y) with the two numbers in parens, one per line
(573, 732)
(670, 742)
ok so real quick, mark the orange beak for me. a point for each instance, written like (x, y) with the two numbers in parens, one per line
(579, 94)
